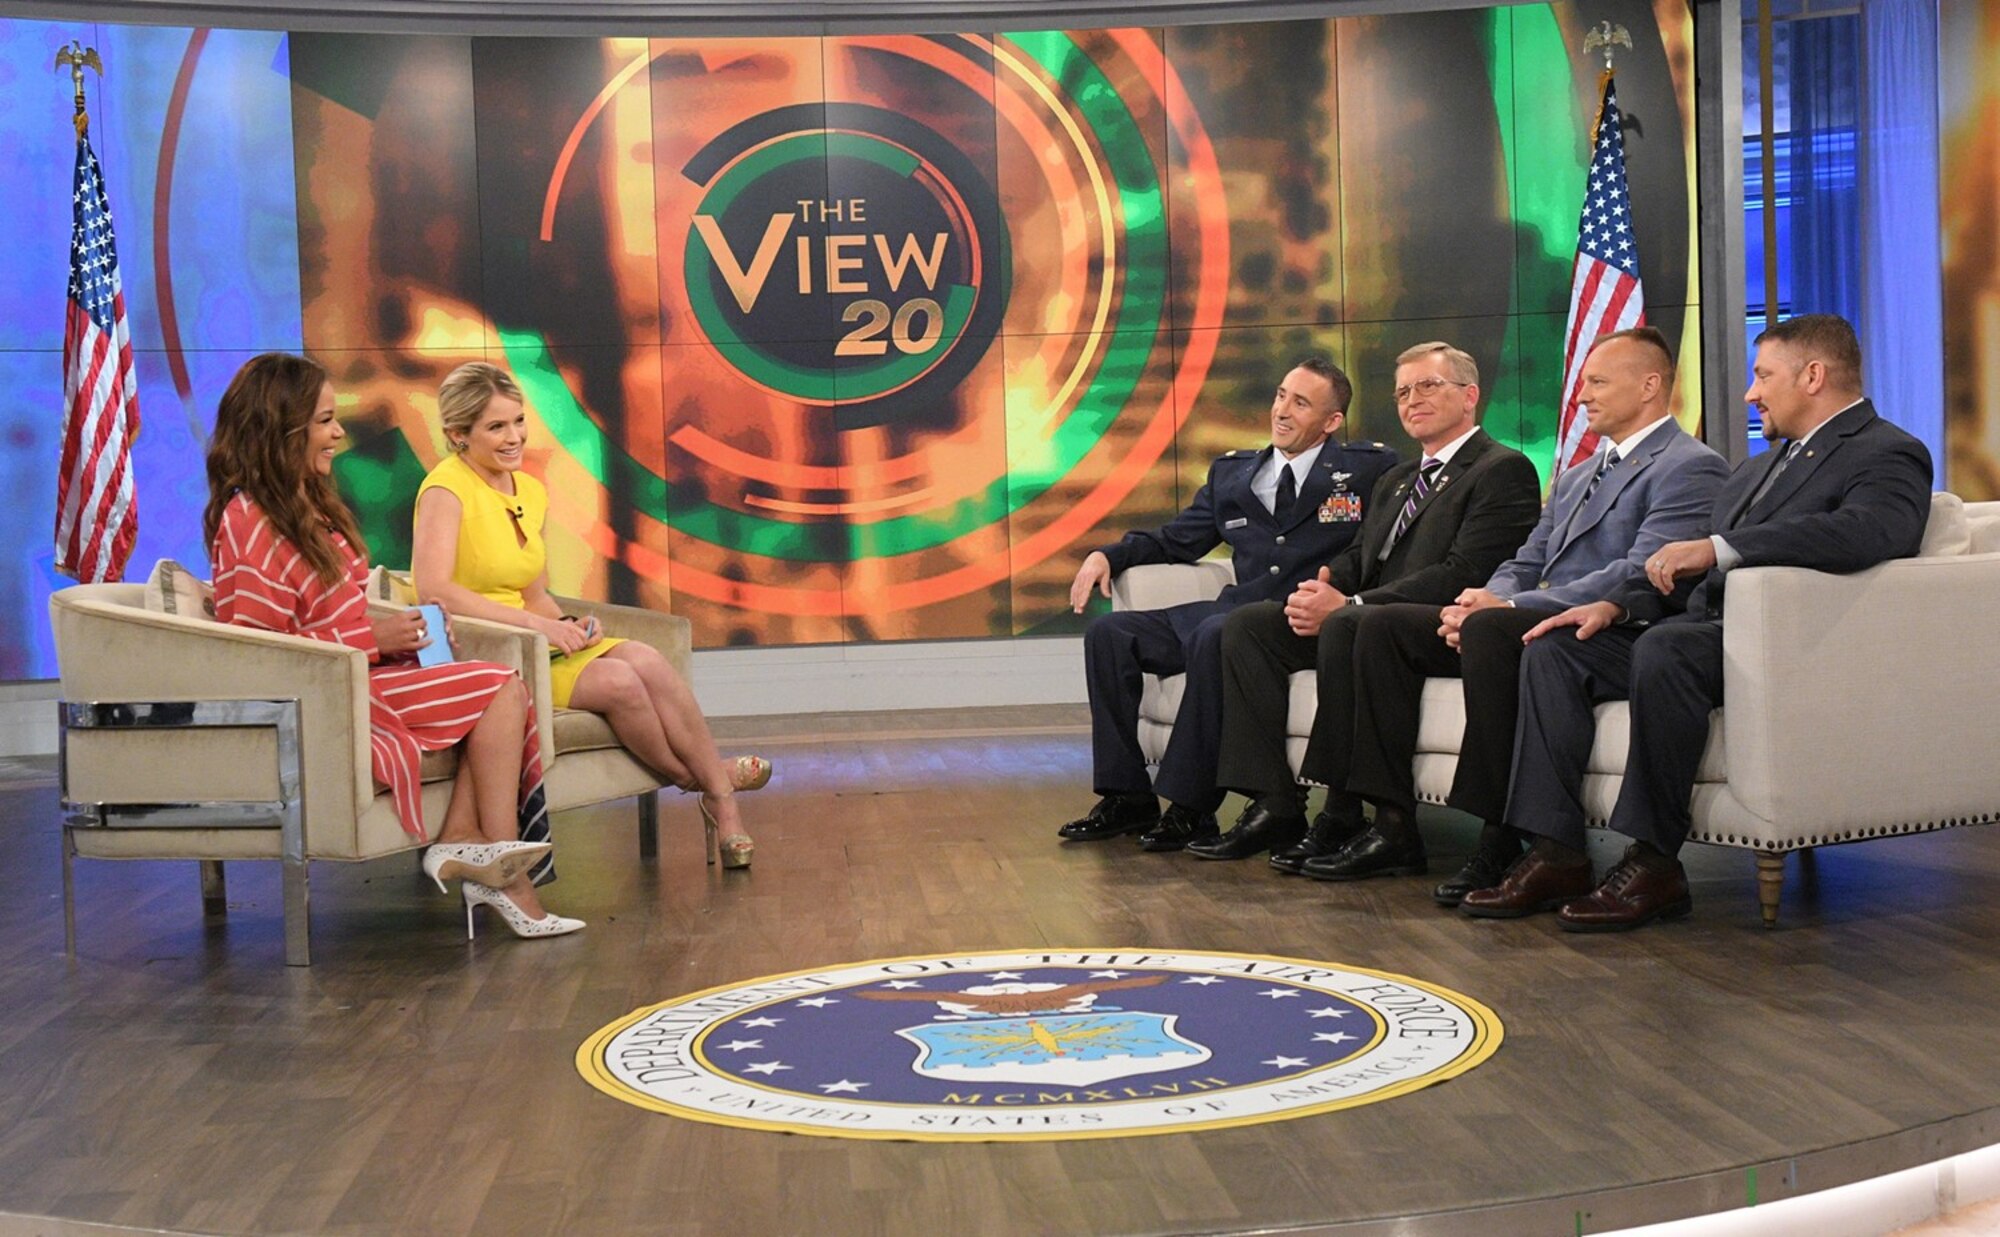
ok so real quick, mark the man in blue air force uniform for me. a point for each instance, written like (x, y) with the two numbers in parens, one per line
(1284, 512)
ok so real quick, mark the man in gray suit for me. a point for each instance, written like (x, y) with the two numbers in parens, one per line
(1846, 491)
(1649, 484)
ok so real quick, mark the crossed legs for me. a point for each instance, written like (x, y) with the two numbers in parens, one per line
(654, 714)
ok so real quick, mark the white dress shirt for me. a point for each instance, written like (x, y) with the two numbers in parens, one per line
(1265, 484)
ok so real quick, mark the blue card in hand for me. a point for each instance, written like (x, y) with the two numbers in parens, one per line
(438, 651)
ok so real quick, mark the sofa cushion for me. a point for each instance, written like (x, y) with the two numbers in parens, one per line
(1614, 738)
(1984, 532)
(1947, 532)
(173, 589)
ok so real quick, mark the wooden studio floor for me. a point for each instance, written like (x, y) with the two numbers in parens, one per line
(178, 1076)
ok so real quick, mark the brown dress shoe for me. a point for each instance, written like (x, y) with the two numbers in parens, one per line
(1637, 891)
(1533, 884)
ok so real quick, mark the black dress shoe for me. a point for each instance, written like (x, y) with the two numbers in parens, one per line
(1482, 871)
(1179, 826)
(1258, 829)
(1330, 831)
(1113, 816)
(1371, 854)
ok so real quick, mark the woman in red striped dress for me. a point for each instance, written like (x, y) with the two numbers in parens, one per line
(289, 558)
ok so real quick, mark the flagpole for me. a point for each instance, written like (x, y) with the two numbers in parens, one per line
(97, 518)
(1605, 290)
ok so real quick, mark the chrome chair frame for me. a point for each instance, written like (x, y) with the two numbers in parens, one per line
(285, 813)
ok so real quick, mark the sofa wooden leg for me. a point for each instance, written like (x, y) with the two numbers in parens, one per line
(1770, 881)
(649, 825)
(214, 889)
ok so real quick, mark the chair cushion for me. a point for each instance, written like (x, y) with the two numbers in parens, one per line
(438, 766)
(580, 730)
(173, 589)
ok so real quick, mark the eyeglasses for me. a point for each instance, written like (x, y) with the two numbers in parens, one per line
(1425, 387)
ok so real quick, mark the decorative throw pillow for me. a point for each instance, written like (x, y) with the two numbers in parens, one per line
(386, 585)
(1947, 533)
(173, 589)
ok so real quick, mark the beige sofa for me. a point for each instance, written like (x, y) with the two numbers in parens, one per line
(185, 738)
(1857, 705)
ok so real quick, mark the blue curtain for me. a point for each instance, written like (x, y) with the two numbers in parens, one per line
(1902, 293)
(1824, 257)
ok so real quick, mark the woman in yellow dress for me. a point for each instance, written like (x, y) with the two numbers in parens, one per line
(479, 550)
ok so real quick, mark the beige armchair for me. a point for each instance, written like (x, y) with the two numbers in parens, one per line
(185, 738)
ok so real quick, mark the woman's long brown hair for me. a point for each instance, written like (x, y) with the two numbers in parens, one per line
(259, 447)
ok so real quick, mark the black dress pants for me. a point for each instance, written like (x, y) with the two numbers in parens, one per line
(1672, 674)
(1260, 653)
(1395, 649)
(1118, 650)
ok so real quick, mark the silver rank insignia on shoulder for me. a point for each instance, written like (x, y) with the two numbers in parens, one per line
(1341, 507)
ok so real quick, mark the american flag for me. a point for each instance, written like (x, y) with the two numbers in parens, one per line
(1604, 290)
(97, 512)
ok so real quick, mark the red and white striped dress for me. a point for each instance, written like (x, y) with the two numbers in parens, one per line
(262, 580)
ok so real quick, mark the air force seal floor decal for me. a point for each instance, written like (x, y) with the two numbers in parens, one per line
(1039, 1044)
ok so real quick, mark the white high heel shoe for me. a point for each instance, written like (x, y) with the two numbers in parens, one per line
(489, 863)
(516, 918)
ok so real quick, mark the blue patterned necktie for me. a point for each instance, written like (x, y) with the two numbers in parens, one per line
(1604, 467)
(1419, 490)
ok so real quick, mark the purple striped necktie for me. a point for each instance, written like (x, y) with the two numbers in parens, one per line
(1419, 490)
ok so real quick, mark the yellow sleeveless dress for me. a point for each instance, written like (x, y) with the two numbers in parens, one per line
(493, 562)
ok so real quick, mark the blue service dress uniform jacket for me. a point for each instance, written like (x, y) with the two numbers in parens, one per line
(1272, 553)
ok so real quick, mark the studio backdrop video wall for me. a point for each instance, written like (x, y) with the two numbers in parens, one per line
(823, 339)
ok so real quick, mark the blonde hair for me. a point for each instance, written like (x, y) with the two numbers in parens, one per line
(1459, 365)
(466, 392)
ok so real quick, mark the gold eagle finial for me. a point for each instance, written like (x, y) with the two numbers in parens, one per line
(78, 58)
(1607, 37)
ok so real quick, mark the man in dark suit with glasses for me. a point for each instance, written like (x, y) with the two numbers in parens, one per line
(1436, 526)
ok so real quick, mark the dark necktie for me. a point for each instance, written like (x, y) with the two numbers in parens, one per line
(1604, 467)
(1419, 490)
(1605, 463)
(1777, 470)
(1288, 492)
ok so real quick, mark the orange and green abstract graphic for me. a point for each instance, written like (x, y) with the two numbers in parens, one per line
(873, 337)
